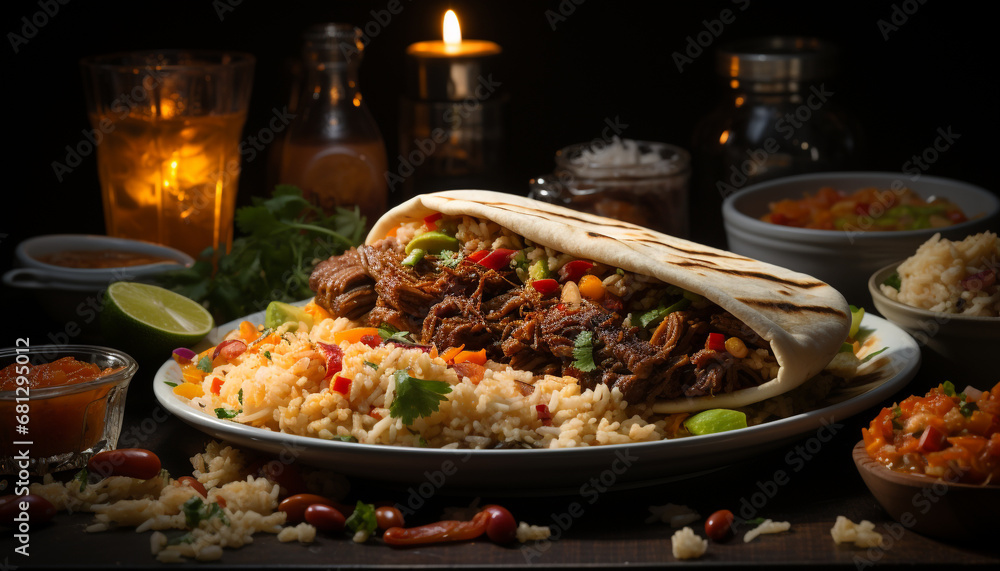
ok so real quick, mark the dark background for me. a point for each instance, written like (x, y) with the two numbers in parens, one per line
(603, 60)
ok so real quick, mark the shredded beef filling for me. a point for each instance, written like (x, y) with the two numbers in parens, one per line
(479, 307)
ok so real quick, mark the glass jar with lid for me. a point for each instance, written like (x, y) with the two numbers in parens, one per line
(780, 115)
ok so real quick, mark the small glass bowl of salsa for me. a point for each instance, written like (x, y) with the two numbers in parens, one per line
(868, 208)
(60, 404)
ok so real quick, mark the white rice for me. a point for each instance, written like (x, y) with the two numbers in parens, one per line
(933, 277)
(686, 545)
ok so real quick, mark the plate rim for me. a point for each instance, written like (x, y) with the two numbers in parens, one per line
(760, 435)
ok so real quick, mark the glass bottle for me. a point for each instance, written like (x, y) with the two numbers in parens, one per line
(333, 149)
(780, 116)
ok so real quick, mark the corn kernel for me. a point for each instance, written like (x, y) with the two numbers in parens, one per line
(736, 347)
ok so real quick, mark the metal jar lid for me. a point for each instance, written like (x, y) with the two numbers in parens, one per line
(777, 59)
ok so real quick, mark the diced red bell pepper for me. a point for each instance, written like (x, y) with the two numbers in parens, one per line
(497, 259)
(543, 414)
(341, 385)
(334, 358)
(545, 286)
(371, 340)
(716, 342)
(779, 218)
(931, 440)
(477, 255)
(217, 385)
(574, 270)
(431, 221)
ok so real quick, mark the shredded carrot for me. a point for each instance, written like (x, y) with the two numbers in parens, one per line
(477, 357)
(450, 354)
(354, 335)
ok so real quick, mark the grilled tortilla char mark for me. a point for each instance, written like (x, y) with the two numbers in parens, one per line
(483, 308)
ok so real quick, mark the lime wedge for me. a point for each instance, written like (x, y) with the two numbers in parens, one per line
(147, 318)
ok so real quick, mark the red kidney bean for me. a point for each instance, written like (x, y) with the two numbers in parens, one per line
(388, 516)
(131, 462)
(719, 525)
(38, 510)
(295, 506)
(193, 483)
(325, 518)
(501, 528)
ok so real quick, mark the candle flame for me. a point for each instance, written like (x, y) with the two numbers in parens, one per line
(452, 31)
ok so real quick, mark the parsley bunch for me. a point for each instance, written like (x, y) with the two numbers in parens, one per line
(282, 238)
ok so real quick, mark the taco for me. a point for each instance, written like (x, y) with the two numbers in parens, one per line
(670, 323)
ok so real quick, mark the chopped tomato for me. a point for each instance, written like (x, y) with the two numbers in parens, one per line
(545, 286)
(498, 259)
(333, 356)
(573, 270)
(943, 434)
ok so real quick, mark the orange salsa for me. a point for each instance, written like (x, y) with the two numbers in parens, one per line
(864, 209)
(944, 434)
(64, 371)
(58, 424)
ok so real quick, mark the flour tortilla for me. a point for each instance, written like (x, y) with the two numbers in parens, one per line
(804, 319)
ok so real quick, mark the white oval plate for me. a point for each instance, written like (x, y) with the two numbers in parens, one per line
(575, 470)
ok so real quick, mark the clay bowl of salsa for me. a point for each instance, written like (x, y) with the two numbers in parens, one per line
(847, 247)
(938, 482)
(60, 404)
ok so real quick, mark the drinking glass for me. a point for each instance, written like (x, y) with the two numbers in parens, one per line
(167, 128)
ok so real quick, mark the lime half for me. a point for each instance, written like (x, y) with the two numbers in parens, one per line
(148, 318)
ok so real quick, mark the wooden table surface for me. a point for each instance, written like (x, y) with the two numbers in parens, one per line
(807, 483)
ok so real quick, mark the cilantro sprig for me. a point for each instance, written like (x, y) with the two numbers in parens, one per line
(416, 397)
(583, 352)
(281, 240)
(196, 511)
(362, 519)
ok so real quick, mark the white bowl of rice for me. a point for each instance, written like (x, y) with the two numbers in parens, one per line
(947, 296)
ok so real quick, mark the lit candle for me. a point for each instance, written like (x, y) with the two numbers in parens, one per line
(450, 68)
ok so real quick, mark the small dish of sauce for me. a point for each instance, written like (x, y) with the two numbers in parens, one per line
(100, 259)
